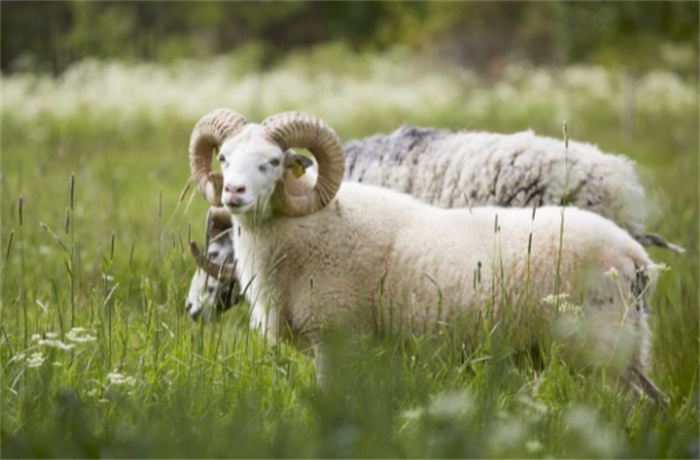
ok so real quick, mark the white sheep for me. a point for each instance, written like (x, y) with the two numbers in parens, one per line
(207, 296)
(454, 170)
(359, 258)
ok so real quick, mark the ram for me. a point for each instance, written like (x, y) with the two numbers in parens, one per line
(454, 170)
(360, 258)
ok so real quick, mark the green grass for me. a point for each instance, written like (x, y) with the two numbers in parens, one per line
(187, 390)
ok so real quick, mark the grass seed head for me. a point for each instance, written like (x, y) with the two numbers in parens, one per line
(72, 189)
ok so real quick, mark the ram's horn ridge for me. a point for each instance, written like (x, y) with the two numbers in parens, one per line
(296, 129)
(207, 136)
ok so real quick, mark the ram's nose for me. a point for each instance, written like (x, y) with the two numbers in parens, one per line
(234, 196)
(235, 189)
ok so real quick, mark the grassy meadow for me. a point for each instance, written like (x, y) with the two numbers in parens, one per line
(99, 359)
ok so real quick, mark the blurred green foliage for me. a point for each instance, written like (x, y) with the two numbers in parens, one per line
(49, 36)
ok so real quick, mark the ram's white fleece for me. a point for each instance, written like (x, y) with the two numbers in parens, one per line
(329, 269)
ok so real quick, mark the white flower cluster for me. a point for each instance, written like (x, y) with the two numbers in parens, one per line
(36, 359)
(612, 273)
(56, 344)
(80, 335)
(50, 340)
(563, 304)
(392, 83)
(117, 378)
(77, 335)
(661, 267)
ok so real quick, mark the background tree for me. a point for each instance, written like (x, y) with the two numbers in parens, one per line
(50, 36)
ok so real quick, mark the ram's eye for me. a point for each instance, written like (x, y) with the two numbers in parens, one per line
(213, 255)
(222, 157)
(262, 168)
(275, 162)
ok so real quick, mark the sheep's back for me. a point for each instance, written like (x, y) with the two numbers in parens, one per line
(455, 170)
(449, 261)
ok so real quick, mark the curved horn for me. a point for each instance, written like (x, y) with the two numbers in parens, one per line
(295, 129)
(223, 273)
(208, 134)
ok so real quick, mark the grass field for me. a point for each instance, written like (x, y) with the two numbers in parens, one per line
(99, 359)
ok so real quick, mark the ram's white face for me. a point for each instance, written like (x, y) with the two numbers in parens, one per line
(251, 166)
(208, 296)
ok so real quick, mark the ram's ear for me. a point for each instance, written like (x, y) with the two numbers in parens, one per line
(297, 163)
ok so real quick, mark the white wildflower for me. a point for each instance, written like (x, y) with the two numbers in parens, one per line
(117, 378)
(390, 82)
(563, 305)
(661, 267)
(18, 357)
(554, 299)
(36, 359)
(92, 392)
(45, 335)
(612, 273)
(80, 335)
(53, 343)
(570, 308)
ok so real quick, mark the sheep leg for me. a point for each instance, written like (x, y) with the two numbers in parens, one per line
(651, 389)
(647, 386)
(321, 365)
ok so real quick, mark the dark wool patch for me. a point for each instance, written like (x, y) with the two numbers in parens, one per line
(361, 154)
